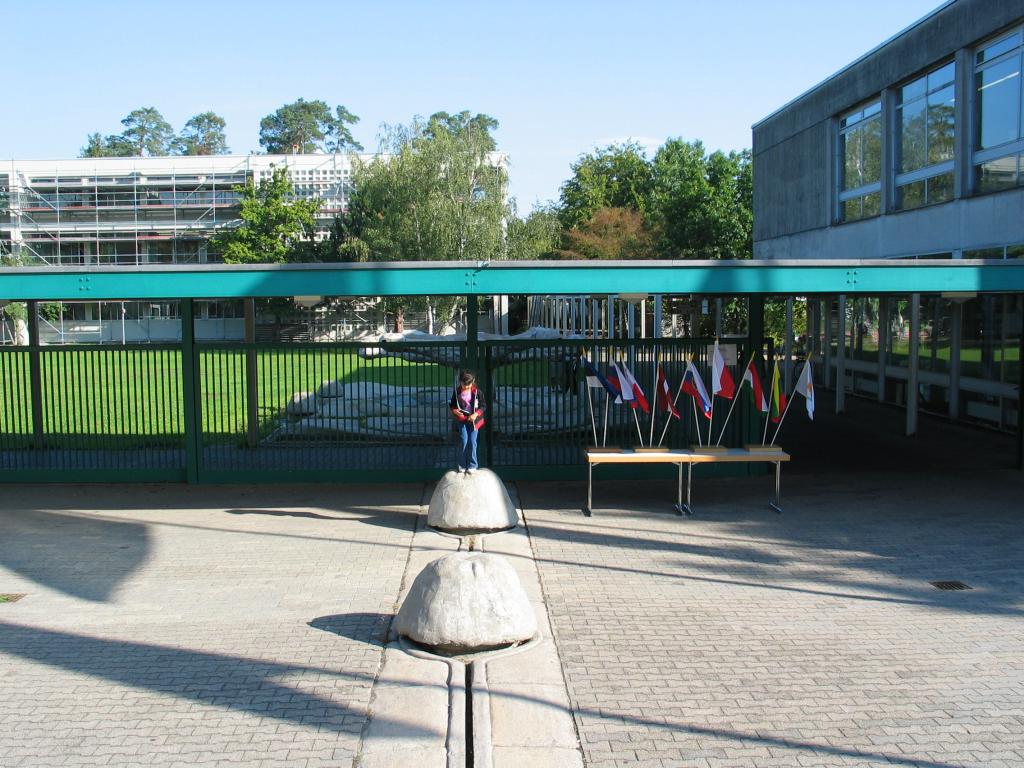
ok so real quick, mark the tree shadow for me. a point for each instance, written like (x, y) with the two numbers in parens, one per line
(879, 537)
(79, 555)
(235, 683)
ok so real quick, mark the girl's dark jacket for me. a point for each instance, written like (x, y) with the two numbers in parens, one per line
(474, 407)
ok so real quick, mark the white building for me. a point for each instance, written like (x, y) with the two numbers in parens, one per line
(144, 210)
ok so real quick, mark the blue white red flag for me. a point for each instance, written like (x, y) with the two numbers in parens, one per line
(693, 385)
(596, 380)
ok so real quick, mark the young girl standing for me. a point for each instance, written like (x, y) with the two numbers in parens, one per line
(469, 418)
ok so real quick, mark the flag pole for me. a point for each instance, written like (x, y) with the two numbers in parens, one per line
(735, 397)
(654, 396)
(789, 402)
(607, 401)
(768, 416)
(593, 422)
(696, 423)
(679, 391)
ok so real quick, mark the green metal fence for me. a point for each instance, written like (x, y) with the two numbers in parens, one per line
(224, 411)
(91, 409)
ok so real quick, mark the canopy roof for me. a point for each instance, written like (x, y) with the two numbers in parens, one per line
(794, 278)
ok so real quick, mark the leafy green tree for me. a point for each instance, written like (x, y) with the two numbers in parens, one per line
(307, 126)
(701, 205)
(114, 145)
(275, 227)
(434, 195)
(203, 134)
(339, 137)
(535, 237)
(464, 122)
(617, 176)
(611, 233)
(147, 131)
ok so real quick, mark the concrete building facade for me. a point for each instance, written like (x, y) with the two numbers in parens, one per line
(914, 149)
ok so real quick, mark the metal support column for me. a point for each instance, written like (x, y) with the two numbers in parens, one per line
(841, 356)
(190, 392)
(956, 334)
(472, 325)
(788, 345)
(1020, 399)
(755, 344)
(657, 316)
(914, 353)
(35, 374)
(883, 343)
(827, 342)
(251, 384)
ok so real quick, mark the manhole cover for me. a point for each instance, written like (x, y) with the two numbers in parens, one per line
(949, 586)
(9, 598)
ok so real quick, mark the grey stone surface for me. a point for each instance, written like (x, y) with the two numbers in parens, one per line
(745, 639)
(168, 625)
(464, 602)
(471, 502)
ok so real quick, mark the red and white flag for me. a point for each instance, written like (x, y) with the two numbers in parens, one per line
(631, 391)
(665, 395)
(751, 375)
(721, 378)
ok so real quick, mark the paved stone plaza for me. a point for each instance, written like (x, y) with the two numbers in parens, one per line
(173, 625)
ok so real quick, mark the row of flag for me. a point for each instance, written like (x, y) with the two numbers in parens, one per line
(622, 387)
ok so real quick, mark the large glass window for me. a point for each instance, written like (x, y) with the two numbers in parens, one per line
(925, 139)
(860, 152)
(999, 113)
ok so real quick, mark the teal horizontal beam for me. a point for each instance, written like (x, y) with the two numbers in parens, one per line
(461, 278)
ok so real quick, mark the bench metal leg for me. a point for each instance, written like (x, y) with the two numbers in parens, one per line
(681, 508)
(589, 509)
(778, 478)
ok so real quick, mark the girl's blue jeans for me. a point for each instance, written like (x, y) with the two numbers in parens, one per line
(467, 446)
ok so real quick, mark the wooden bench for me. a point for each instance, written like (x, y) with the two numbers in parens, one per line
(597, 456)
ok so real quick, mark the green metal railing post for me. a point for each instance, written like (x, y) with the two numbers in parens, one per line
(190, 392)
(755, 346)
(251, 385)
(1020, 399)
(489, 400)
(35, 373)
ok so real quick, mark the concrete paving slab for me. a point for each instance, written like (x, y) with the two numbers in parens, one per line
(530, 715)
(746, 639)
(536, 757)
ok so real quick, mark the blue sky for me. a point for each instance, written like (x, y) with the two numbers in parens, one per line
(561, 77)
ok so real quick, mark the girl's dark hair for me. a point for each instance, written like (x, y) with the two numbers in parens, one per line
(466, 377)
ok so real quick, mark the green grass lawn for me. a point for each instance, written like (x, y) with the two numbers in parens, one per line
(112, 397)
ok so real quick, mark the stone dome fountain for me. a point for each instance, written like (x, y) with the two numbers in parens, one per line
(467, 602)
(466, 504)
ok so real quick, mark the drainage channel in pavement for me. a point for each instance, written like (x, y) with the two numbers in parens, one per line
(494, 709)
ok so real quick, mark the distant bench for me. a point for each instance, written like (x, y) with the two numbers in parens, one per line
(597, 456)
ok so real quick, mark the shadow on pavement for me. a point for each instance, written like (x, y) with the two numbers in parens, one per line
(211, 679)
(78, 555)
(369, 628)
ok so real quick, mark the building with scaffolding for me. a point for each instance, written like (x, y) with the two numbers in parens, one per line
(144, 210)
